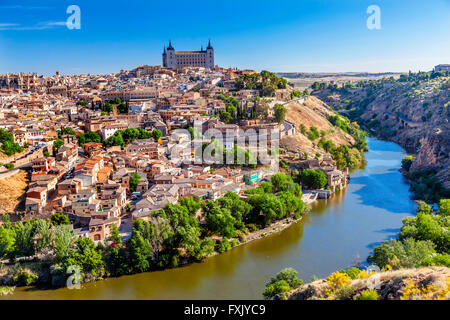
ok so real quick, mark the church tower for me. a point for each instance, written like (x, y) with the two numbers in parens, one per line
(169, 59)
(209, 56)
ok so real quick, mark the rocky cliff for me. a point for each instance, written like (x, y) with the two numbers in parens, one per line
(413, 113)
(431, 283)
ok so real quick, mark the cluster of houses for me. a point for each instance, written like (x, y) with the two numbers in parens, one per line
(90, 182)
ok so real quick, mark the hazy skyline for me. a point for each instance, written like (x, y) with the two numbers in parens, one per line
(281, 36)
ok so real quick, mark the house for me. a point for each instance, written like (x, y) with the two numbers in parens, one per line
(93, 148)
(100, 229)
(70, 186)
(42, 164)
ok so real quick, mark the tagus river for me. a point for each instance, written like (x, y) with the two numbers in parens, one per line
(333, 236)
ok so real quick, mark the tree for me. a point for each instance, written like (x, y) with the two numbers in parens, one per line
(156, 134)
(220, 221)
(44, 231)
(285, 281)
(266, 208)
(24, 234)
(59, 218)
(191, 203)
(280, 113)
(313, 179)
(86, 257)
(134, 181)
(114, 236)
(63, 242)
(89, 136)
(57, 144)
(444, 207)
(7, 242)
(407, 254)
(140, 253)
(407, 162)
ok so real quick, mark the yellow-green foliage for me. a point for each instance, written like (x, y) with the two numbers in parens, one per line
(370, 294)
(430, 292)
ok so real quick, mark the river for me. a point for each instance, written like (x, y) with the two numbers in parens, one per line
(332, 236)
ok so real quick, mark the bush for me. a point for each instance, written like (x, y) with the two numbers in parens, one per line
(407, 162)
(24, 277)
(286, 280)
(344, 293)
(353, 273)
(369, 295)
(9, 166)
(224, 245)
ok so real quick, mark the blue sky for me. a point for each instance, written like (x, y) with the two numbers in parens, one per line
(276, 35)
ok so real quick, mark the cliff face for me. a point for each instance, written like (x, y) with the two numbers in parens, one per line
(414, 114)
(429, 283)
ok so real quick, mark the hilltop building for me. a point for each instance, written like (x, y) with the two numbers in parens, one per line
(179, 59)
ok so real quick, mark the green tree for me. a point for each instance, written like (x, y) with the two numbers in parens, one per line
(63, 243)
(313, 179)
(7, 242)
(134, 181)
(156, 134)
(280, 113)
(59, 218)
(407, 162)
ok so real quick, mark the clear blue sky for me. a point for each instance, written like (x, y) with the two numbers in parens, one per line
(277, 35)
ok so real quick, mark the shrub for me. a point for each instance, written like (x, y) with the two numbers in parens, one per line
(9, 166)
(345, 293)
(338, 280)
(24, 277)
(369, 294)
(224, 245)
(407, 162)
(353, 273)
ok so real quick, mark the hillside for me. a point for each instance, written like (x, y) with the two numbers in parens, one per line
(314, 113)
(430, 283)
(12, 192)
(413, 112)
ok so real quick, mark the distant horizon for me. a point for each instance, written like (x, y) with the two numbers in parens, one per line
(301, 35)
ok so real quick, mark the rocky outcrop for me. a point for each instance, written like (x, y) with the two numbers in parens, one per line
(424, 283)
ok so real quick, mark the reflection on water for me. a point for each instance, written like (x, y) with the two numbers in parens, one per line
(339, 229)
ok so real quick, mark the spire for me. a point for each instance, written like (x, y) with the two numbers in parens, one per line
(209, 44)
(170, 46)
(201, 48)
(164, 52)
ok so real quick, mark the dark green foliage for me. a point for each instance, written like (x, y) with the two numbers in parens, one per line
(280, 113)
(407, 162)
(426, 186)
(59, 218)
(421, 237)
(313, 179)
(8, 145)
(266, 82)
(286, 280)
(134, 181)
(89, 136)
